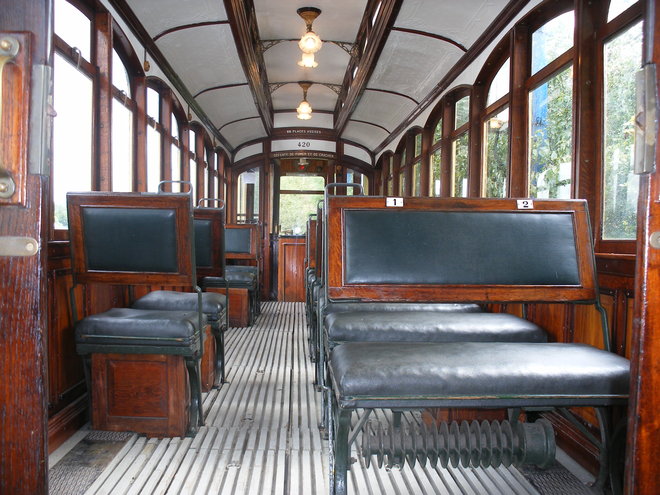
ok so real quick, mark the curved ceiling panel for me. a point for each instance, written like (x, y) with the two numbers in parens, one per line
(412, 64)
(384, 109)
(244, 131)
(289, 96)
(462, 21)
(289, 119)
(365, 134)
(282, 64)
(228, 104)
(174, 13)
(204, 57)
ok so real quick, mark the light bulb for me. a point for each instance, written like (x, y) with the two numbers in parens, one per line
(310, 42)
(308, 61)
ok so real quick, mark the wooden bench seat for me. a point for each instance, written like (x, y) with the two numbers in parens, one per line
(474, 251)
(142, 365)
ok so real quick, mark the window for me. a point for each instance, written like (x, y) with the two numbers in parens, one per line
(460, 148)
(176, 154)
(74, 28)
(247, 196)
(417, 178)
(622, 57)
(73, 101)
(418, 144)
(496, 137)
(550, 104)
(496, 161)
(618, 7)
(436, 160)
(122, 127)
(462, 113)
(499, 87)
(460, 168)
(550, 139)
(153, 140)
(390, 175)
(72, 135)
(299, 197)
(552, 40)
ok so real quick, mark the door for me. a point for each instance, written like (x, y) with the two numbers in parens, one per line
(24, 47)
(642, 474)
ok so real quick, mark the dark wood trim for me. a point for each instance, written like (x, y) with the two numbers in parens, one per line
(102, 173)
(369, 123)
(353, 87)
(238, 120)
(426, 34)
(518, 114)
(223, 86)
(395, 93)
(507, 15)
(23, 291)
(643, 439)
(243, 22)
(188, 26)
(157, 56)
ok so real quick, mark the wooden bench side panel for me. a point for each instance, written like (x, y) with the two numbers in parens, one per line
(456, 266)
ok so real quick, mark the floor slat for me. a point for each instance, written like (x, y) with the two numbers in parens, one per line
(261, 433)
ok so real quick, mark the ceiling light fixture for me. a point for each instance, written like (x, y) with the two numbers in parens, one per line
(304, 109)
(310, 42)
(308, 61)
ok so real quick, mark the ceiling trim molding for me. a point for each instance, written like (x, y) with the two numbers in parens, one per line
(508, 14)
(395, 93)
(243, 22)
(237, 120)
(157, 56)
(369, 123)
(427, 34)
(377, 34)
(188, 26)
(224, 86)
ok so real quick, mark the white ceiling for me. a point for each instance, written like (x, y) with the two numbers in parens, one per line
(201, 49)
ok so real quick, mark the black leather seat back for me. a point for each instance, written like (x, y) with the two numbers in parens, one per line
(459, 250)
(131, 238)
(449, 247)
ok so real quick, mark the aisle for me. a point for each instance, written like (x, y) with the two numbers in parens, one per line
(261, 434)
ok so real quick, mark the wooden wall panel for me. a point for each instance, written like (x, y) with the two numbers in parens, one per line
(291, 269)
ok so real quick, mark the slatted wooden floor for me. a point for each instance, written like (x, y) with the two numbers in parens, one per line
(261, 434)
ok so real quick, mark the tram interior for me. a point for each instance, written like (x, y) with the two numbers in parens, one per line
(266, 112)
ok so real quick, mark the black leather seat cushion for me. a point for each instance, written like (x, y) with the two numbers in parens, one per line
(484, 370)
(346, 307)
(430, 326)
(236, 280)
(241, 268)
(139, 327)
(213, 304)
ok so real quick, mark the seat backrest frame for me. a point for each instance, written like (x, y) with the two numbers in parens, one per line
(182, 271)
(338, 286)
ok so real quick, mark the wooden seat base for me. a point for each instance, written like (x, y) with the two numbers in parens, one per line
(240, 311)
(144, 393)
